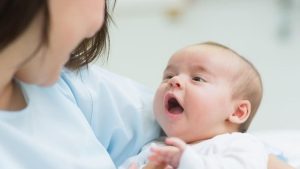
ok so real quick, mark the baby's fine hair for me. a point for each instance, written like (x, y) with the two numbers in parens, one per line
(247, 84)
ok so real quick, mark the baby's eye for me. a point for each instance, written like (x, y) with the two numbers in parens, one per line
(199, 79)
(168, 77)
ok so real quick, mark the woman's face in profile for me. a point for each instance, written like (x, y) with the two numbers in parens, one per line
(70, 21)
(79, 18)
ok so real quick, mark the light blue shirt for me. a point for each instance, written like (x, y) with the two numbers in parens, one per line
(87, 120)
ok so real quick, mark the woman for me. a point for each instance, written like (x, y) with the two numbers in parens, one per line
(50, 119)
(54, 112)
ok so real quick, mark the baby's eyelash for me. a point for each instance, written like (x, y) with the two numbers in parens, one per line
(168, 77)
(198, 79)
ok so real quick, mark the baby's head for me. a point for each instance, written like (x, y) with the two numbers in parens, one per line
(207, 89)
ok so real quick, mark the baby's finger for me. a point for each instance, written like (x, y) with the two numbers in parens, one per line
(133, 166)
(173, 141)
(156, 158)
(168, 167)
(165, 154)
(165, 150)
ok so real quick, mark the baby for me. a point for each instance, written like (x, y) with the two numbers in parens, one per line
(206, 101)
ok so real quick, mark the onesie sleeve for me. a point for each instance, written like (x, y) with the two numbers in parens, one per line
(118, 109)
(243, 153)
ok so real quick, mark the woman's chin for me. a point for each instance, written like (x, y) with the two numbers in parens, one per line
(48, 82)
(44, 81)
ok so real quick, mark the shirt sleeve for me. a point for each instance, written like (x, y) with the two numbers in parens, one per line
(118, 109)
(246, 153)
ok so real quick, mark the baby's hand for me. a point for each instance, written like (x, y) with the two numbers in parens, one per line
(151, 165)
(133, 166)
(169, 154)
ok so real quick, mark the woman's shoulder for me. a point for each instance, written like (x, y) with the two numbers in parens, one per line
(108, 99)
(94, 76)
(94, 88)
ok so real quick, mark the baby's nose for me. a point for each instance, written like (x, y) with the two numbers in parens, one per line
(174, 82)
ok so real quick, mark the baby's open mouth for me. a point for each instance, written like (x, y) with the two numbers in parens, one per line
(173, 106)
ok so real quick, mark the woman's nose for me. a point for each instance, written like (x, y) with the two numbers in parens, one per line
(174, 82)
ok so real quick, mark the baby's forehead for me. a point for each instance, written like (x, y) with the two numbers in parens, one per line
(206, 52)
(211, 48)
(207, 56)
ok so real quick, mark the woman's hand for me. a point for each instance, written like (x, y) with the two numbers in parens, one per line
(275, 163)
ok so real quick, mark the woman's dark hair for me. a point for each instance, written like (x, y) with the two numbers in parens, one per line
(16, 15)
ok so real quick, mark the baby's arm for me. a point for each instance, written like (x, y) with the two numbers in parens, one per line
(240, 152)
(169, 154)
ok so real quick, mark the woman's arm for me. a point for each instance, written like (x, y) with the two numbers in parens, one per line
(275, 163)
(116, 108)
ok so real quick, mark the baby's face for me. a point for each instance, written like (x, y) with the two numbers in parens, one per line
(194, 99)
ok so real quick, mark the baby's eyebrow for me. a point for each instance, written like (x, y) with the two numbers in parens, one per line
(198, 68)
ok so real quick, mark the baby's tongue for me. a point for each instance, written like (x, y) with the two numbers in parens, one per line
(176, 110)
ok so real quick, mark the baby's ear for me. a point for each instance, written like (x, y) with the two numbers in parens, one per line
(241, 113)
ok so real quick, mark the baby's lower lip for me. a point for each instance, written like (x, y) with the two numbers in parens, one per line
(173, 116)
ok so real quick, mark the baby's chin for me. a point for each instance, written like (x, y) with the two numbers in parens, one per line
(187, 138)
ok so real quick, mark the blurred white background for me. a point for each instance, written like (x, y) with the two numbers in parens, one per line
(267, 32)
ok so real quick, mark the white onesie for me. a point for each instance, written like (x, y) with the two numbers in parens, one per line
(225, 151)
